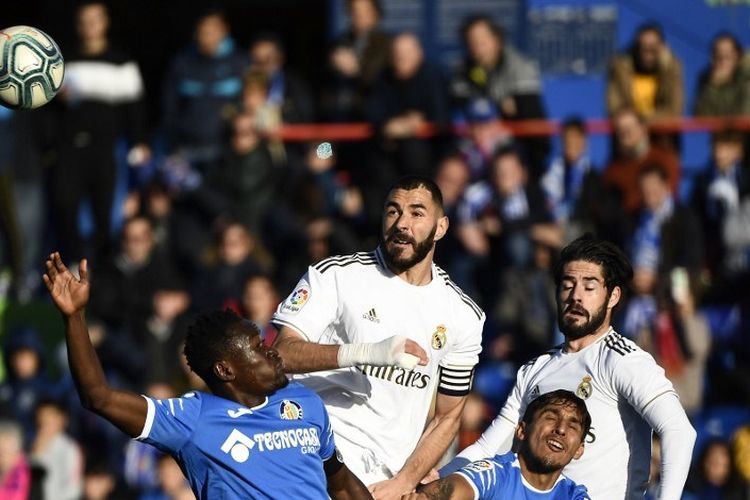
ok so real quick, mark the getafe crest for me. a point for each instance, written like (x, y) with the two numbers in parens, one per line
(585, 389)
(438, 338)
(290, 410)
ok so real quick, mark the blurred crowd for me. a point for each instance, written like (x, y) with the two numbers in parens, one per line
(218, 211)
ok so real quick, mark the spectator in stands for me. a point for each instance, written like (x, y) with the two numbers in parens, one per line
(57, 453)
(24, 136)
(101, 99)
(201, 84)
(452, 177)
(286, 91)
(661, 228)
(356, 60)
(172, 482)
(409, 94)
(486, 136)
(495, 70)
(678, 336)
(164, 331)
(647, 77)
(126, 283)
(525, 309)
(633, 152)
(26, 383)
(259, 301)
(99, 483)
(15, 473)
(571, 182)
(247, 179)
(221, 283)
(724, 87)
(499, 219)
(715, 476)
(718, 197)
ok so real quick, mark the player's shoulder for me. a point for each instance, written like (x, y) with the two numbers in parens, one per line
(190, 403)
(615, 346)
(465, 304)
(572, 490)
(537, 362)
(338, 263)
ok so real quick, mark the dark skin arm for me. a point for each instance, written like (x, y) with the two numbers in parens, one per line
(453, 487)
(342, 484)
(70, 294)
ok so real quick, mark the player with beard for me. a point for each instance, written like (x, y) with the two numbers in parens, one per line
(255, 436)
(625, 391)
(375, 333)
(550, 435)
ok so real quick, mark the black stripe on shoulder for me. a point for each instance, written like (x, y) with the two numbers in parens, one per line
(364, 258)
(616, 346)
(464, 298)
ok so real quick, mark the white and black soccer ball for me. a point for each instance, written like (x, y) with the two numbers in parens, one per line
(31, 67)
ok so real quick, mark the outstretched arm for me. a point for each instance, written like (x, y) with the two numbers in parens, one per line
(437, 436)
(342, 483)
(70, 294)
(302, 356)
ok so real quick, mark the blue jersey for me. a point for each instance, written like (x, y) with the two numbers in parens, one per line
(226, 450)
(500, 478)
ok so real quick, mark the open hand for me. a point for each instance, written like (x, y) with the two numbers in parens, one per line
(69, 293)
(390, 489)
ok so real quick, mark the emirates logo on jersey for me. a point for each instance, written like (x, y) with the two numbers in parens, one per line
(400, 376)
(585, 389)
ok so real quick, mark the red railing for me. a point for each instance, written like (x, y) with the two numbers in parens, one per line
(301, 132)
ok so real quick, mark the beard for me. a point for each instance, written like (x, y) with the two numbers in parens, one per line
(394, 256)
(573, 331)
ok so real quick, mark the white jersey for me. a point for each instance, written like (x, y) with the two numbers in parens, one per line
(378, 413)
(618, 381)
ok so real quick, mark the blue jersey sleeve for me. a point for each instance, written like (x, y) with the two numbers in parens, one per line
(580, 493)
(170, 422)
(484, 476)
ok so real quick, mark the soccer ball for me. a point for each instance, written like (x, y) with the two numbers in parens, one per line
(31, 67)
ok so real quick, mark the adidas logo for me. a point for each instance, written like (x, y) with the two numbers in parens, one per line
(535, 391)
(371, 315)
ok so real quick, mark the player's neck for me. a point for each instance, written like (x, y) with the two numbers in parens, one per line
(243, 398)
(575, 345)
(543, 481)
(94, 47)
(419, 274)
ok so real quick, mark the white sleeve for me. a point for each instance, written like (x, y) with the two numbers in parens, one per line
(639, 379)
(457, 366)
(667, 418)
(311, 307)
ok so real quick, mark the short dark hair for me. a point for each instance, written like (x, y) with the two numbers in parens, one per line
(410, 182)
(559, 397)
(651, 26)
(472, 21)
(507, 150)
(656, 169)
(574, 123)
(269, 37)
(208, 340)
(616, 267)
(726, 35)
(728, 134)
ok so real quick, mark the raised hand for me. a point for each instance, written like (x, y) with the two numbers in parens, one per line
(69, 293)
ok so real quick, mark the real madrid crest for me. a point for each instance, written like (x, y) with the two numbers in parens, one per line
(290, 410)
(438, 337)
(585, 389)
